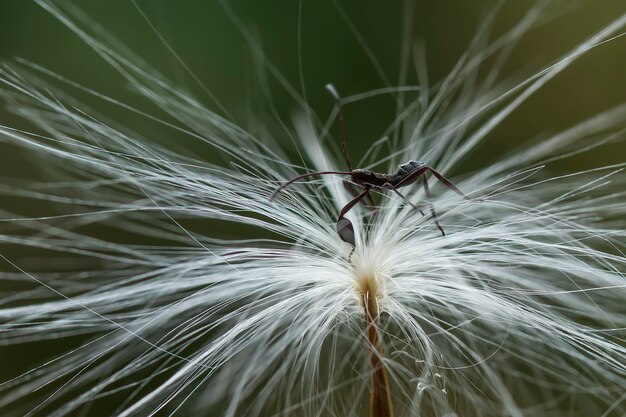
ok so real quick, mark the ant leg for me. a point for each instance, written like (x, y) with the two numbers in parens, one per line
(353, 186)
(345, 230)
(369, 195)
(432, 207)
(447, 183)
(390, 186)
(351, 253)
(421, 171)
(352, 203)
(371, 200)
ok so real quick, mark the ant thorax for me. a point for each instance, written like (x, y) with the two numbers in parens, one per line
(365, 176)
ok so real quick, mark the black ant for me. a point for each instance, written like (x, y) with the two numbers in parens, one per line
(407, 174)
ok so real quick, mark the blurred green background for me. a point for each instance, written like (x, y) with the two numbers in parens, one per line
(211, 44)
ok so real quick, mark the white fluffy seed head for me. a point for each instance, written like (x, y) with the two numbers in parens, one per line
(516, 311)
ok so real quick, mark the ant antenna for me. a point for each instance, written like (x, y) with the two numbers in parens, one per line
(342, 126)
(299, 177)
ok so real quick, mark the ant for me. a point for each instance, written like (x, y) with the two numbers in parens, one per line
(407, 174)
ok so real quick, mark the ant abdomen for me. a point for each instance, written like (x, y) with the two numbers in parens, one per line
(406, 169)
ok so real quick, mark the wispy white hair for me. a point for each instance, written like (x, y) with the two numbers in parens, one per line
(518, 311)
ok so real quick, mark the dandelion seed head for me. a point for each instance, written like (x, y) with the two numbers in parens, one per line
(516, 311)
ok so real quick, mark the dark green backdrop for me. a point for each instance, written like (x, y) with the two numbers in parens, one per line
(210, 44)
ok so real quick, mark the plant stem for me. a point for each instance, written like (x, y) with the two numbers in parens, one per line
(380, 399)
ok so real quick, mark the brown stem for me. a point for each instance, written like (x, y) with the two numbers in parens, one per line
(380, 400)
